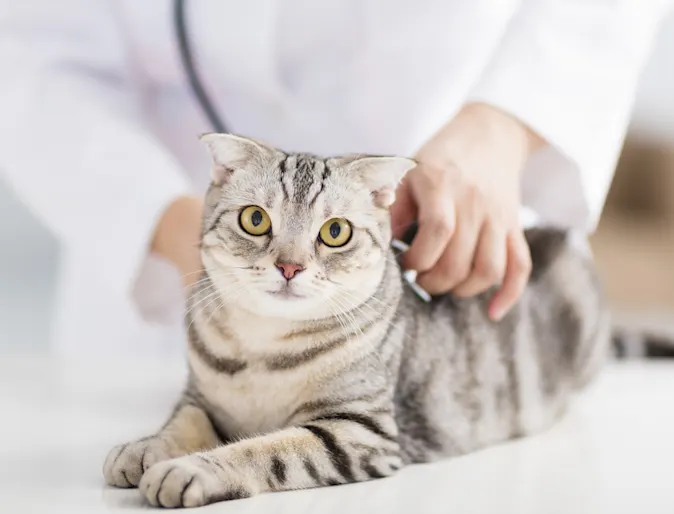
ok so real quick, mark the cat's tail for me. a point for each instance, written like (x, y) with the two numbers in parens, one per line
(629, 338)
(563, 269)
(642, 343)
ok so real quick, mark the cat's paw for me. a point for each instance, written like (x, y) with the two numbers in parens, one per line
(191, 481)
(126, 463)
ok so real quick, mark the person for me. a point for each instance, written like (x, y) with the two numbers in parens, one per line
(516, 112)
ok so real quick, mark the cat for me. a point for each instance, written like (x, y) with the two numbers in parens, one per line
(311, 364)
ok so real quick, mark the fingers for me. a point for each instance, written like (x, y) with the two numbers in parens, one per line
(461, 245)
(403, 211)
(489, 263)
(516, 276)
(454, 265)
(436, 227)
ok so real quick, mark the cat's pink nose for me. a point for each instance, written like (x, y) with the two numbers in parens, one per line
(288, 269)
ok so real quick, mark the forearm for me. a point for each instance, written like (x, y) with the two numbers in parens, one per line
(569, 70)
(74, 145)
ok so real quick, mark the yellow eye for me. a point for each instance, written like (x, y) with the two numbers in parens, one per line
(255, 220)
(335, 232)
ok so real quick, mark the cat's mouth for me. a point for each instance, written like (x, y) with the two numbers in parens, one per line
(286, 293)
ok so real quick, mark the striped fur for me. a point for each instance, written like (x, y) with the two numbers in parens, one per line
(353, 376)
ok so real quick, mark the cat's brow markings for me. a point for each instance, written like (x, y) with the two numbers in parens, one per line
(283, 169)
(326, 174)
(303, 178)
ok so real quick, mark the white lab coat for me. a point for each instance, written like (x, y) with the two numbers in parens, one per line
(98, 127)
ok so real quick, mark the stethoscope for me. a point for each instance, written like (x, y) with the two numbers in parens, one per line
(187, 60)
(218, 125)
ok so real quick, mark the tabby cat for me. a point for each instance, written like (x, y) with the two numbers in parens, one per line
(311, 364)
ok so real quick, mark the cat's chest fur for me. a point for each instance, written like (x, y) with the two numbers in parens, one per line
(256, 398)
(252, 401)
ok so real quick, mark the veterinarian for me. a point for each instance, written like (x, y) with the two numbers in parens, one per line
(516, 111)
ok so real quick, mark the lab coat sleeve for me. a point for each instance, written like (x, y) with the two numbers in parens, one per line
(569, 70)
(72, 145)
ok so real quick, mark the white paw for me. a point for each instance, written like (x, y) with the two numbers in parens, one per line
(190, 481)
(126, 463)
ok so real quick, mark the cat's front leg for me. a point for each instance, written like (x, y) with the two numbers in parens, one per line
(335, 449)
(188, 430)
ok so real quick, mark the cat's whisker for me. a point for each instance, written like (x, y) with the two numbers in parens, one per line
(340, 319)
(390, 308)
(353, 328)
(229, 298)
(214, 297)
(202, 291)
(213, 290)
(193, 272)
(359, 306)
(199, 302)
(390, 323)
(215, 274)
(371, 298)
(216, 271)
(197, 286)
(201, 287)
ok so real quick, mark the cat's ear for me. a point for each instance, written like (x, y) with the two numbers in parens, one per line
(382, 176)
(231, 153)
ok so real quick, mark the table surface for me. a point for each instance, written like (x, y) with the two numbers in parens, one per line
(613, 452)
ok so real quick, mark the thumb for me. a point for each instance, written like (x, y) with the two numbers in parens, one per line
(403, 211)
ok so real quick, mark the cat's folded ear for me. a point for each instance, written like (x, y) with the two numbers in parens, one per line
(231, 153)
(381, 175)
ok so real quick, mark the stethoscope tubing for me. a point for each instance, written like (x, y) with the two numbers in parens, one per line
(187, 60)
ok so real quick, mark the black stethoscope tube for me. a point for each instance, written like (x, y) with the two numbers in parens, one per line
(187, 60)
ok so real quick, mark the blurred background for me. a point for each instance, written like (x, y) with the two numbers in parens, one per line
(634, 244)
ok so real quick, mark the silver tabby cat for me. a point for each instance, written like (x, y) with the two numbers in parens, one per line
(311, 364)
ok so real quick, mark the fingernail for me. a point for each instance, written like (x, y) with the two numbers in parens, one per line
(496, 314)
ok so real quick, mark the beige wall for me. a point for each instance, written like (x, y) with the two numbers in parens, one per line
(634, 244)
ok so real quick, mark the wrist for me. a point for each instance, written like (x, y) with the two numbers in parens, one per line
(478, 135)
(177, 235)
(506, 126)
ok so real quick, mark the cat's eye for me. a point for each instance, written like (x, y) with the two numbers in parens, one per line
(255, 220)
(335, 232)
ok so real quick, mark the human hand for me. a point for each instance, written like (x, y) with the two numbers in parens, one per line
(177, 237)
(465, 197)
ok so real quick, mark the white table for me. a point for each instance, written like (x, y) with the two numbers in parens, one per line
(613, 453)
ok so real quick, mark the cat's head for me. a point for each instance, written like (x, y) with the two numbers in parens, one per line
(296, 236)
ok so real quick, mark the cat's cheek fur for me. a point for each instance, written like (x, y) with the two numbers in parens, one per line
(359, 271)
(217, 257)
(213, 259)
